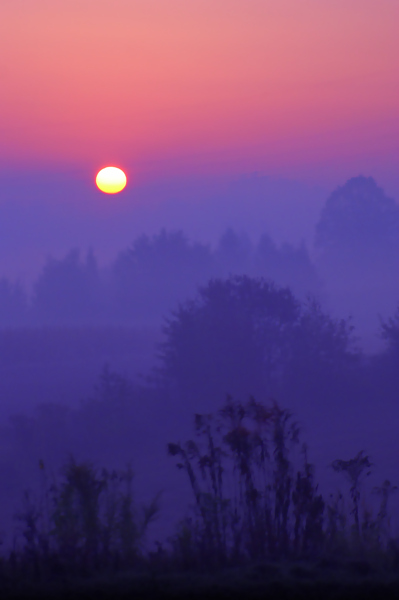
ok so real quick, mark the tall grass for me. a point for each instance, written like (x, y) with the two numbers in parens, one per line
(255, 500)
(256, 497)
(85, 523)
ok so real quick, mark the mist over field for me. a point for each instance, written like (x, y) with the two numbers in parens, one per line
(199, 358)
(110, 360)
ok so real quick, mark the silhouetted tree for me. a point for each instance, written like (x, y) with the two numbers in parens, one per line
(68, 291)
(266, 254)
(323, 354)
(358, 223)
(354, 469)
(383, 369)
(234, 253)
(286, 265)
(390, 333)
(93, 522)
(13, 304)
(243, 484)
(308, 511)
(385, 491)
(249, 335)
(233, 336)
(154, 273)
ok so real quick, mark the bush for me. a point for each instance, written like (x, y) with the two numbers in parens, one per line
(85, 523)
(268, 513)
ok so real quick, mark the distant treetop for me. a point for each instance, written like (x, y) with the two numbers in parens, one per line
(357, 222)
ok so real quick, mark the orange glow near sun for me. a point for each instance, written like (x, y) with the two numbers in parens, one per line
(111, 180)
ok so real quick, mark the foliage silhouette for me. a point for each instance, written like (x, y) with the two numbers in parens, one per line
(390, 333)
(68, 291)
(150, 276)
(247, 451)
(249, 506)
(255, 502)
(230, 337)
(354, 469)
(93, 523)
(234, 253)
(359, 224)
(13, 304)
(249, 335)
(147, 279)
(286, 265)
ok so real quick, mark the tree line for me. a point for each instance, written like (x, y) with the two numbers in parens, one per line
(145, 280)
(356, 236)
(255, 504)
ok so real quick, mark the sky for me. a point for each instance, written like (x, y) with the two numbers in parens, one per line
(188, 95)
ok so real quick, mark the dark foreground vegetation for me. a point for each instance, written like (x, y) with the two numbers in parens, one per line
(258, 524)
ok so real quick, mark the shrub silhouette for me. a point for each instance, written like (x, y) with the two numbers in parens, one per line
(93, 522)
(268, 513)
(256, 501)
(308, 512)
(354, 468)
(68, 291)
(233, 336)
(358, 221)
(153, 273)
(252, 503)
(252, 337)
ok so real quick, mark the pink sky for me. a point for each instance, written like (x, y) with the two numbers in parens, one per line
(288, 87)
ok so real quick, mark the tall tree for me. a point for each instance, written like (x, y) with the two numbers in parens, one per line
(68, 291)
(234, 253)
(230, 339)
(13, 304)
(150, 276)
(246, 336)
(358, 224)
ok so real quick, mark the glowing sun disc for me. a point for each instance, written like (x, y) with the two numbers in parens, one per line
(111, 180)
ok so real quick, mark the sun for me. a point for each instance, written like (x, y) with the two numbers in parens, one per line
(111, 180)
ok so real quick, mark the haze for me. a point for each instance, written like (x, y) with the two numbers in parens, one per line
(259, 139)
